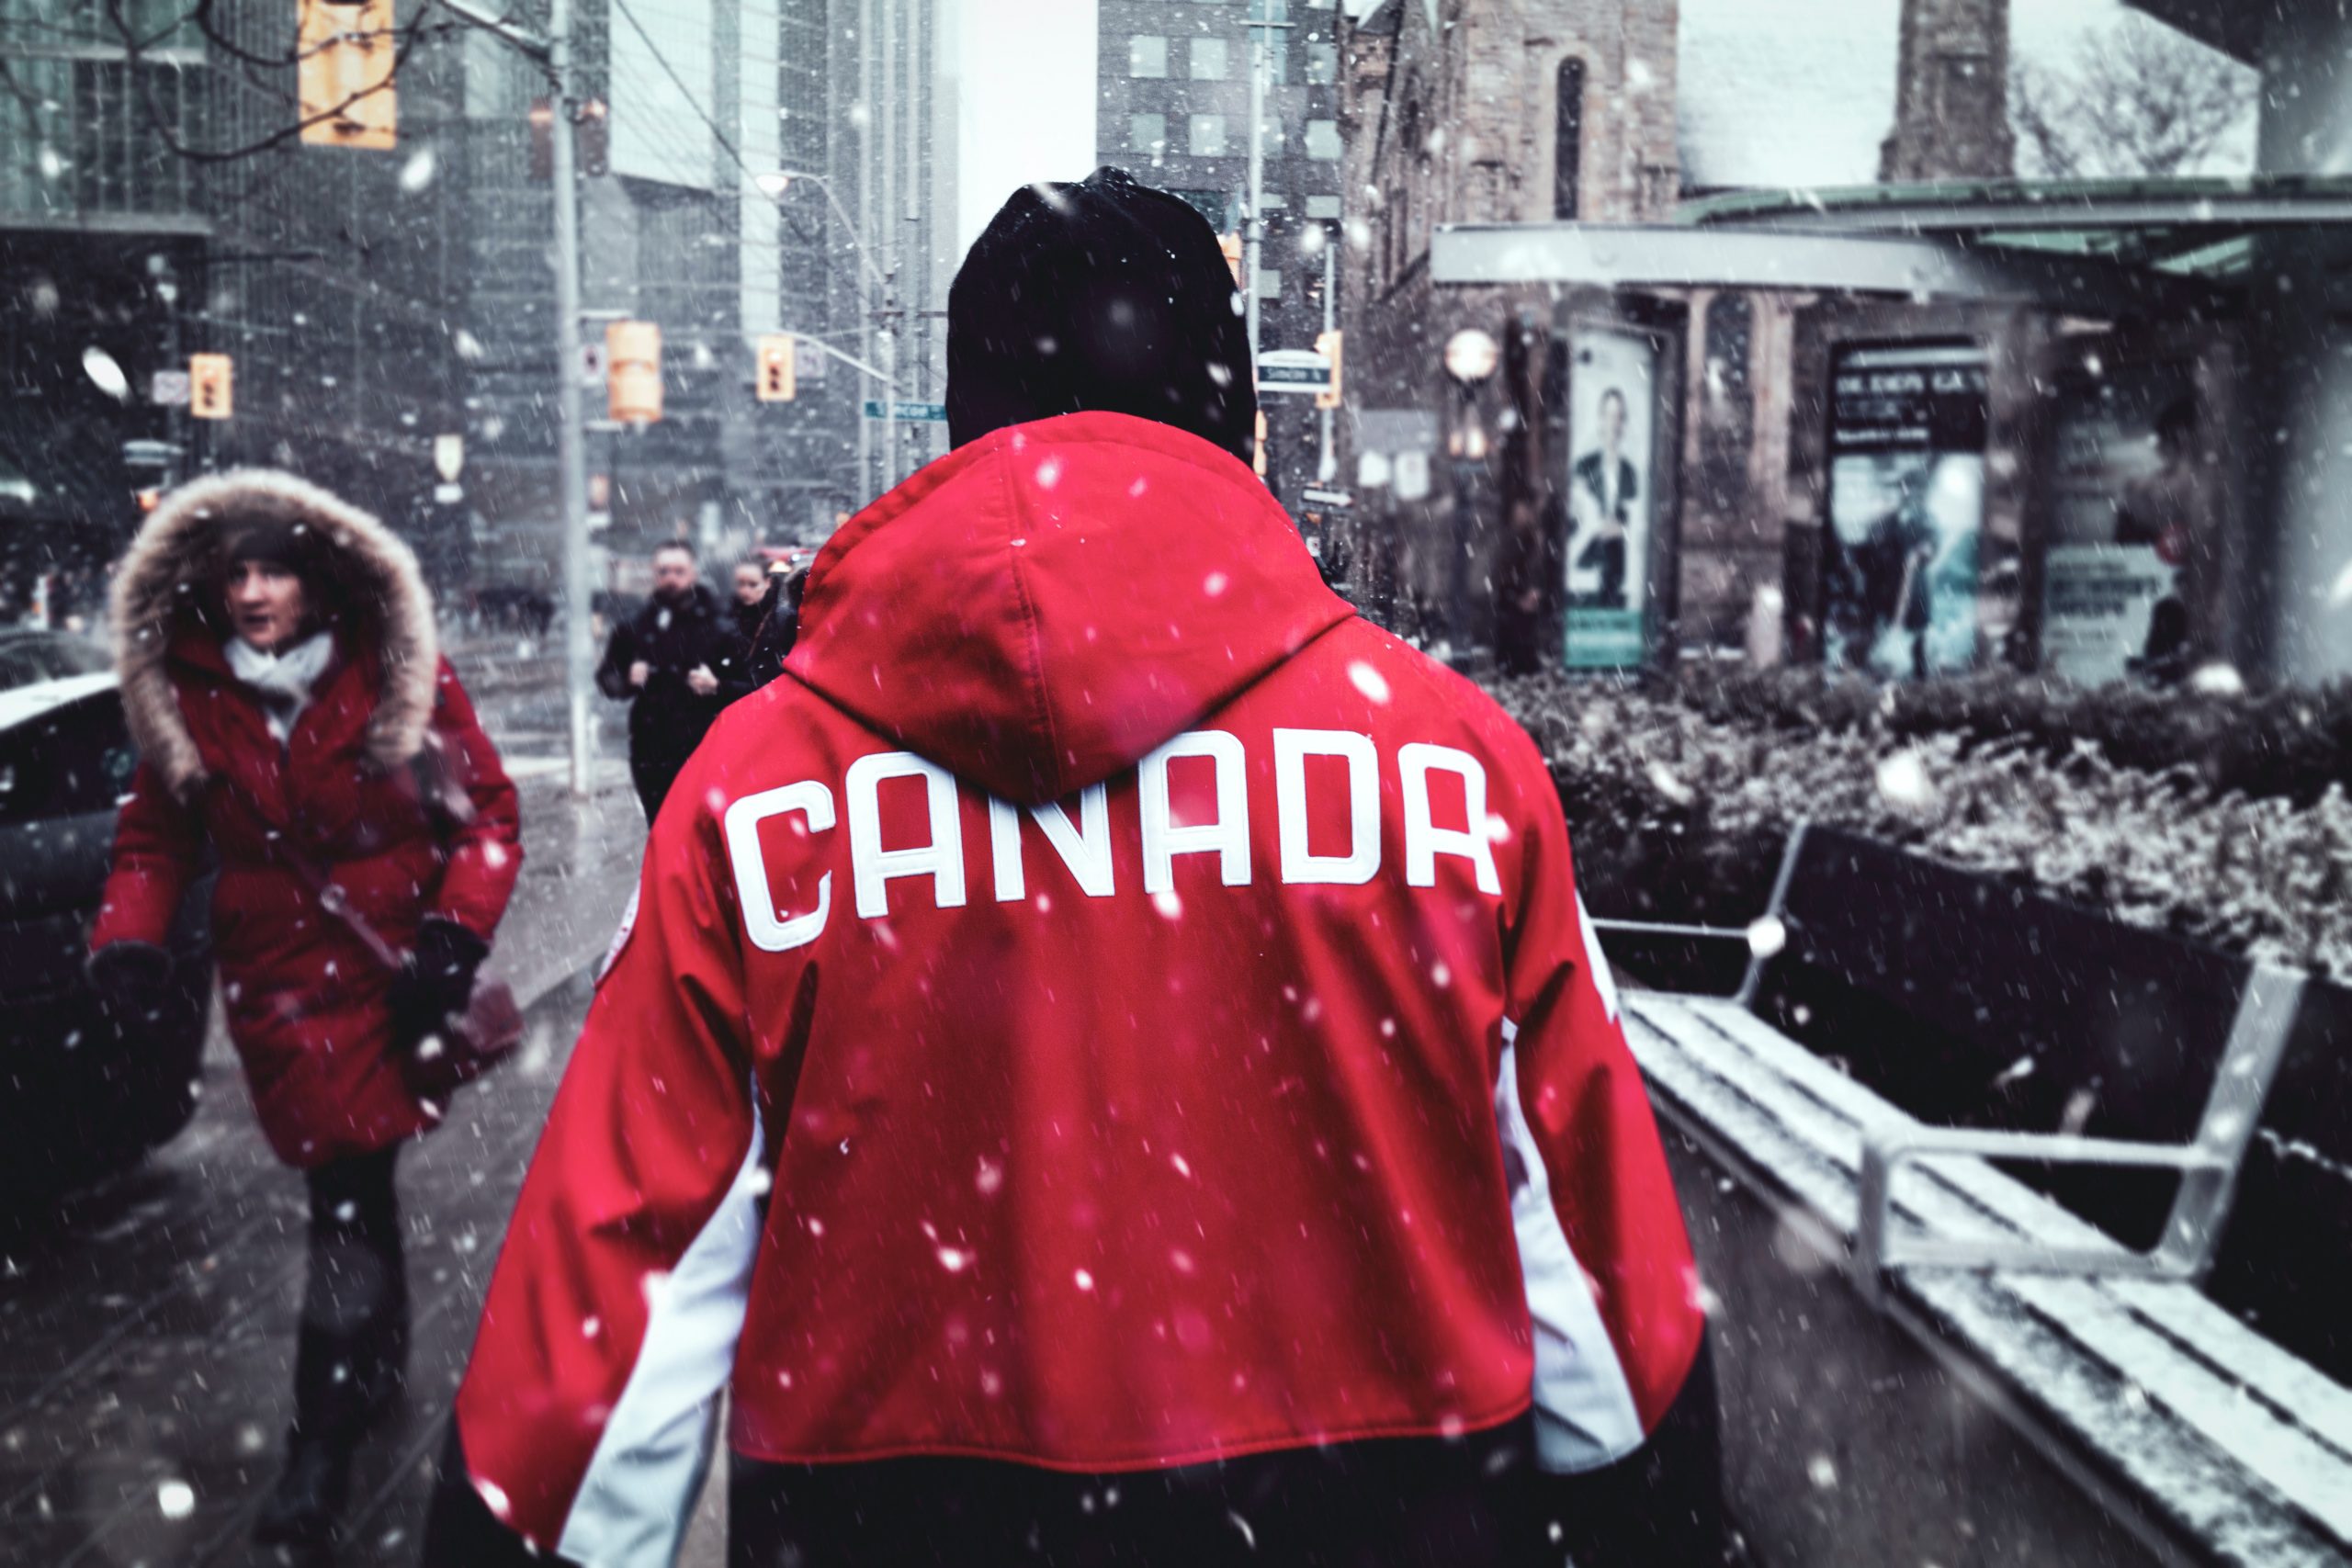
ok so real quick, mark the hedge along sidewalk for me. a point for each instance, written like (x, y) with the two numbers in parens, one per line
(2290, 741)
(1677, 813)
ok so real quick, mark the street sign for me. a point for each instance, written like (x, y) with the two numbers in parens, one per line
(1300, 370)
(168, 389)
(1327, 497)
(934, 413)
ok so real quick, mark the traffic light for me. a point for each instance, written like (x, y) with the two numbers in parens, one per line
(775, 379)
(1257, 460)
(633, 372)
(210, 378)
(1230, 243)
(344, 81)
(1328, 345)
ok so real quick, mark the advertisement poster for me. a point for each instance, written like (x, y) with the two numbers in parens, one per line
(2125, 502)
(1612, 400)
(1906, 510)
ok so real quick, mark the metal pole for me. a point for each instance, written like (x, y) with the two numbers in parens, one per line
(886, 230)
(572, 439)
(1255, 246)
(1327, 466)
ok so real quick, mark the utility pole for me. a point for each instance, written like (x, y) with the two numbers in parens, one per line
(1255, 249)
(554, 50)
(886, 230)
(571, 436)
(1327, 466)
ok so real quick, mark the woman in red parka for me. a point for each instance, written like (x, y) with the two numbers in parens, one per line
(292, 712)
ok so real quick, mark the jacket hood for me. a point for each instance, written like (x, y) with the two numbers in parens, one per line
(1037, 610)
(163, 602)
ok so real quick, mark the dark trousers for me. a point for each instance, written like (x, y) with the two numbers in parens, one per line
(353, 1346)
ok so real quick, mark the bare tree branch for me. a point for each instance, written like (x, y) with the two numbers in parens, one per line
(2140, 101)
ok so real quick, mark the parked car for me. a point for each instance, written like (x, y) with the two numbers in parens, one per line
(83, 1094)
(29, 656)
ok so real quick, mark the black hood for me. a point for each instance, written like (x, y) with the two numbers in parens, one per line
(1105, 296)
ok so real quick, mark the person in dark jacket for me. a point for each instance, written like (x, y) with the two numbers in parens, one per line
(779, 621)
(1052, 1175)
(671, 663)
(281, 711)
(750, 606)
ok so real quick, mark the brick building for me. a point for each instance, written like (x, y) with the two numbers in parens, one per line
(1468, 112)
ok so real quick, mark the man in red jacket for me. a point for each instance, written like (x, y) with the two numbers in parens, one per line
(1107, 1062)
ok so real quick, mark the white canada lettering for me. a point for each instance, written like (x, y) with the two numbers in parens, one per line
(1300, 863)
(1085, 847)
(1227, 837)
(1424, 842)
(769, 929)
(873, 866)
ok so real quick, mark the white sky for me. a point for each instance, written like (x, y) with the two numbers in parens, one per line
(1028, 100)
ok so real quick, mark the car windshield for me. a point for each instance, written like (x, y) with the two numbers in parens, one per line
(26, 659)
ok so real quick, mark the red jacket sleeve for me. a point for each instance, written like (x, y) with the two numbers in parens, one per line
(612, 1315)
(157, 841)
(1613, 1290)
(485, 853)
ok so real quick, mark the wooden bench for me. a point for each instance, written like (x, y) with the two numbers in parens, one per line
(2091, 1053)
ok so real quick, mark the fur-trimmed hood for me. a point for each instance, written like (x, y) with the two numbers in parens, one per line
(165, 590)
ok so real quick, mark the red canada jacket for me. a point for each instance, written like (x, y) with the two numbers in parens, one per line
(1107, 1007)
(306, 1001)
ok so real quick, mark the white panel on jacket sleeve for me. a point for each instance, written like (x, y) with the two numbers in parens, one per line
(649, 1467)
(1585, 1416)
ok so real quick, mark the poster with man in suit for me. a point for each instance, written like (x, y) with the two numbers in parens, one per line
(1610, 397)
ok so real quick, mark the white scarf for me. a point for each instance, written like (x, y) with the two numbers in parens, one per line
(282, 681)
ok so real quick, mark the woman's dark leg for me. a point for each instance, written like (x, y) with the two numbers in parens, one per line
(352, 1349)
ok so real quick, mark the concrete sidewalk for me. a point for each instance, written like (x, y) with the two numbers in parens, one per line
(149, 1333)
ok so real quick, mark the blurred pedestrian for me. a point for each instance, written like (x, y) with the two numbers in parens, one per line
(751, 604)
(780, 624)
(1108, 1063)
(669, 663)
(295, 719)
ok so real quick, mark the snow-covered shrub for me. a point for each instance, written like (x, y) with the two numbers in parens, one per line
(1676, 809)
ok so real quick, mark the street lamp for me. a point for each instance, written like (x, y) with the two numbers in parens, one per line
(1471, 358)
(773, 185)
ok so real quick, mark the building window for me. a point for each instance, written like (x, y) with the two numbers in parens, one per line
(1146, 56)
(1148, 134)
(1205, 134)
(1567, 147)
(1322, 63)
(1323, 140)
(1208, 61)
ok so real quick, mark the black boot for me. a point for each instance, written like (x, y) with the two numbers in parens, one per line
(330, 1412)
(351, 1352)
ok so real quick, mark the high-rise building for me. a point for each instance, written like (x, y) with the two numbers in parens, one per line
(1173, 110)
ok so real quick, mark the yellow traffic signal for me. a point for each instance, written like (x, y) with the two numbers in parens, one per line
(344, 81)
(775, 379)
(1328, 345)
(633, 357)
(210, 378)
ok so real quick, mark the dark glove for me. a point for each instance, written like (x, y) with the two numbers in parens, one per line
(133, 979)
(438, 978)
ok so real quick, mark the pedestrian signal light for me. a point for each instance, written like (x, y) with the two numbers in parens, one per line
(150, 498)
(775, 379)
(1328, 345)
(344, 81)
(210, 378)
(633, 372)
(1230, 245)
(1259, 462)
